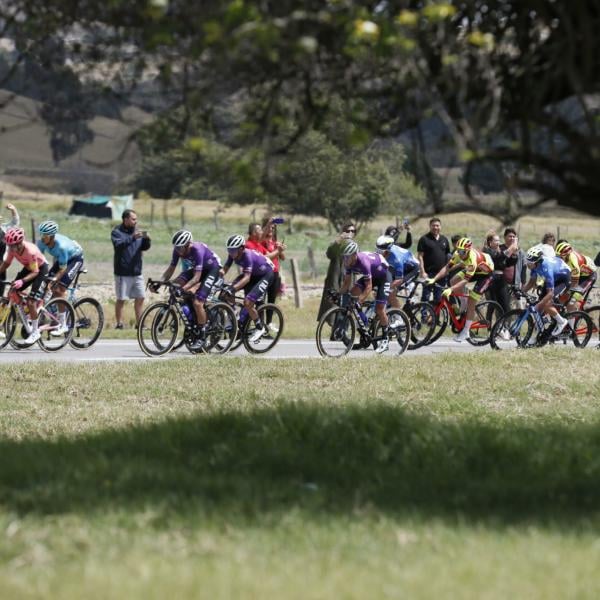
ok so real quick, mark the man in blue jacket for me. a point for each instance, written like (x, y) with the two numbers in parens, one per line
(129, 243)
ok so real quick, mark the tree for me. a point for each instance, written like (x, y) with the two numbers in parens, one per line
(525, 73)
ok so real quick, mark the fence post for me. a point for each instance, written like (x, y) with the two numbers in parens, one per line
(558, 232)
(311, 262)
(216, 218)
(33, 230)
(296, 282)
(182, 216)
(152, 213)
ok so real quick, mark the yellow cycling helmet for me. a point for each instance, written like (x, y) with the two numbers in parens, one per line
(464, 244)
(563, 249)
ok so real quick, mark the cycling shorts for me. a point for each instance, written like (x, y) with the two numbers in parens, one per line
(207, 281)
(256, 288)
(37, 286)
(381, 286)
(74, 265)
(482, 283)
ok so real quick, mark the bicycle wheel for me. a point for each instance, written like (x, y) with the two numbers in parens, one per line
(222, 328)
(594, 314)
(582, 328)
(398, 329)
(512, 330)
(274, 329)
(8, 322)
(441, 323)
(422, 323)
(89, 322)
(486, 315)
(157, 329)
(335, 333)
(50, 319)
(20, 334)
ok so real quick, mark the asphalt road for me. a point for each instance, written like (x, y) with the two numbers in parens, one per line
(119, 350)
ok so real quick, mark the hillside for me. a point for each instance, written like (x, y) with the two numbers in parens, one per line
(26, 159)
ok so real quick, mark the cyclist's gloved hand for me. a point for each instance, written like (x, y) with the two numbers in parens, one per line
(17, 284)
(429, 281)
(153, 287)
(447, 292)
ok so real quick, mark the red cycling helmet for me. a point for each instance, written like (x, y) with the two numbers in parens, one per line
(13, 236)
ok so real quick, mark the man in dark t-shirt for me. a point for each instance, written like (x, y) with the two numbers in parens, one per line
(433, 251)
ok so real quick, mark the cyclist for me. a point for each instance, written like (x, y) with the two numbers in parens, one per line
(373, 271)
(555, 276)
(200, 272)
(583, 271)
(404, 267)
(68, 261)
(477, 267)
(255, 278)
(35, 268)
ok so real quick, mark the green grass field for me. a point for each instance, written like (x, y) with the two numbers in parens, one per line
(470, 477)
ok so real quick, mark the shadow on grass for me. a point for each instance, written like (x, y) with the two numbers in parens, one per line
(324, 461)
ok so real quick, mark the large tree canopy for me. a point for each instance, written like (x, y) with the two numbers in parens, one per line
(516, 83)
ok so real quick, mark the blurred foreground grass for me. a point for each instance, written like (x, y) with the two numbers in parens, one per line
(463, 476)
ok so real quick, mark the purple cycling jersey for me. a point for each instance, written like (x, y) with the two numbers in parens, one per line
(369, 265)
(253, 263)
(199, 257)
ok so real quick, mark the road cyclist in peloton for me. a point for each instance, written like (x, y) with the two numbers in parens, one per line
(373, 274)
(477, 267)
(35, 269)
(583, 272)
(555, 277)
(68, 261)
(200, 272)
(403, 265)
(256, 275)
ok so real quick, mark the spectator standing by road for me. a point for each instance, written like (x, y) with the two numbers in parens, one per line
(548, 243)
(129, 243)
(275, 250)
(515, 270)
(433, 251)
(4, 227)
(394, 232)
(335, 273)
(498, 289)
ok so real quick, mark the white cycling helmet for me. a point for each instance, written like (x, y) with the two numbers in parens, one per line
(235, 241)
(181, 238)
(350, 248)
(534, 254)
(384, 242)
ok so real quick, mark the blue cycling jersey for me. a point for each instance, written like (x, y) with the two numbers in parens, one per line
(552, 270)
(63, 250)
(401, 260)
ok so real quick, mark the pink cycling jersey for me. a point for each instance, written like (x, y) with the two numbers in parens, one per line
(31, 257)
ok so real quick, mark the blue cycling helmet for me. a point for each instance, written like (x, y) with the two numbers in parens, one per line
(48, 228)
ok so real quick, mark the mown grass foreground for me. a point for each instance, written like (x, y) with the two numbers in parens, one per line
(472, 476)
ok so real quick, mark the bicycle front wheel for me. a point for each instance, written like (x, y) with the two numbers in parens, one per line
(422, 323)
(594, 314)
(222, 328)
(441, 323)
(512, 330)
(89, 322)
(398, 330)
(486, 315)
(272, 319)
(335, 333)
(157, 329)
(51, 318)
(581, 329)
